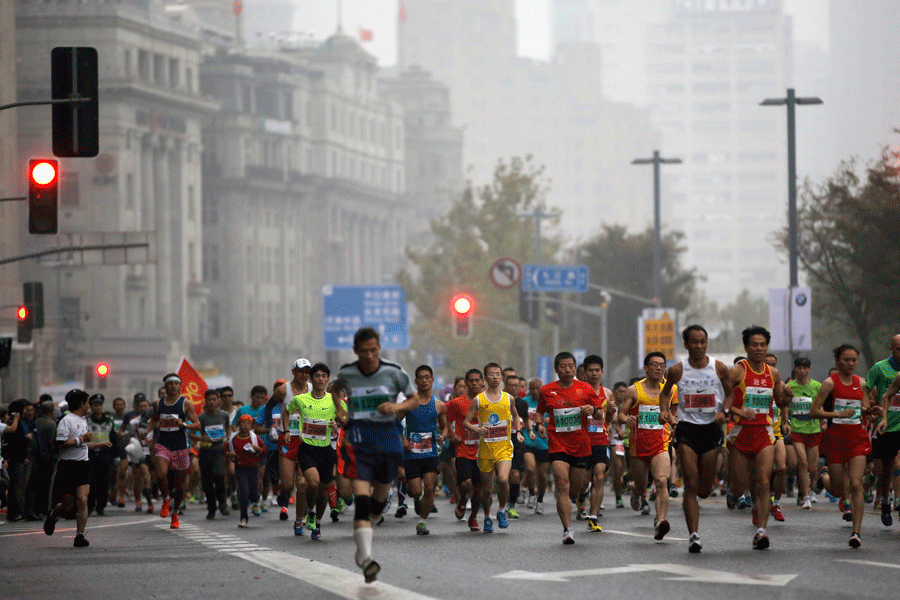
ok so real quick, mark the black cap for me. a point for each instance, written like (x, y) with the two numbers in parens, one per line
(139, 397)
(97, 399)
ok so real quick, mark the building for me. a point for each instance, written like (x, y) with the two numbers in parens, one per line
(710, 64)
(139, 318)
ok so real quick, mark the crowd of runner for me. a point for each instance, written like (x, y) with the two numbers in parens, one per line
(371, 437)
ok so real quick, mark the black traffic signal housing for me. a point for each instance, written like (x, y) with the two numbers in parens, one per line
(528, 308)
(5, 351)
(23, 331)
(76, 125)
(33, 292)
(43, 195)
(553, 309)
(462, 309)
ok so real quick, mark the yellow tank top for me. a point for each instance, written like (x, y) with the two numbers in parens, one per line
(646, 409)
(496, 417)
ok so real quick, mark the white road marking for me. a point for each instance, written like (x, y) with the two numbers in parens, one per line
(642, 535)
(89, 528)
(684, 573)
(869, 562)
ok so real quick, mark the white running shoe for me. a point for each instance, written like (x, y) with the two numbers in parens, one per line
(568, 537)
(807, 503)
(532, 500)
(539, 508)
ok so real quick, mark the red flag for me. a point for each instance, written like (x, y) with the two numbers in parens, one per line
(193, 387)
(366, 35)
(401, 14)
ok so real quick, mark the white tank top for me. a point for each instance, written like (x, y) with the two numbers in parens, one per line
(700, 393)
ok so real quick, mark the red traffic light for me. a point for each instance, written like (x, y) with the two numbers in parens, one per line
(462, 305)
(102, 370)
(22, 313)
(44, 172)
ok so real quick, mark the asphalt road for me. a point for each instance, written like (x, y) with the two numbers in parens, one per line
(138, 556)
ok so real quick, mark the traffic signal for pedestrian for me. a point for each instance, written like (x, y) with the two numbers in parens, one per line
(33, 291)
(43, 195)
(23, 316)
(528, 307)
(462, 316)
(73, 75)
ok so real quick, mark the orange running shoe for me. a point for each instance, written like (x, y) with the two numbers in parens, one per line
(174, 524)
(164, 511)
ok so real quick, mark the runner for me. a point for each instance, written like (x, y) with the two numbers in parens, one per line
(598, 433)
(72, 483)
(447, 456)
(497, 418)
(246, 449)
(318, 414)
(755, 385)
(779, 465)
(845, 442)
(425, 432)
(511, 387)
(806, 432)
(705, 397)
(618, 438)
(258, 397)
(215, 428)
(568, 403)
(372, 386)
(537, 458)
(649, 445)
(468, 476)
(174, 414)
(887, 444)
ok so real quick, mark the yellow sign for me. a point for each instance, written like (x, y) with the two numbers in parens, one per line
(208, 372)
(659, 336)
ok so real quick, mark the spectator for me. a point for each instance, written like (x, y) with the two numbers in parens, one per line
(44, 459)
(18, 454)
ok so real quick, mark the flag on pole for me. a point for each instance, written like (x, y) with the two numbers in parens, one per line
(366, 35)
(401, 13)
(193, 387)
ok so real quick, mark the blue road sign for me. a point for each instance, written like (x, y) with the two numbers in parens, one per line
(555, 278)
(346, 308)
(545, 369)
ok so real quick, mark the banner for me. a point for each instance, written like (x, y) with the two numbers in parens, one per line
(193, 387)
(790, 313)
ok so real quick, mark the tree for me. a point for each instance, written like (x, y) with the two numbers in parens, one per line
(725, 324)
(482, 225)
(847, 238)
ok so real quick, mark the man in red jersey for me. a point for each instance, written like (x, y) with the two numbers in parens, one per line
(468, 475)
(593, 374)
(569, 403)
(755, 384)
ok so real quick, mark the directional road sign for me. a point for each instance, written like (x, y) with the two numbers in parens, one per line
(555, 278)
(346, 308)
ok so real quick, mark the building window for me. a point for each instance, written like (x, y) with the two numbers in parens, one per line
(126, 58)
(174, 73)
(129, 191)
(144, 65)
(68, 188)
(159, 68)
(215, 329)
(189, 78)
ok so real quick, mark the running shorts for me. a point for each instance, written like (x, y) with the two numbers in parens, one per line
(416, 467)
(288, 445)
(466, 469)
(179, 460)
(810, 440)
(540, 454)
(886, 445)
(839, 445)
(599, 455)
(699, 438)
(576, 462)
(518, 458)
(320, 458)
(379, 467)
(750, 439)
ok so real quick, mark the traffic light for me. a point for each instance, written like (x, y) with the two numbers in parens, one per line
(528, 308)
(73, 74)
(33, 291)
(23, 316)
(462, 316)
(43, 195)
(553, 309)
(102, 371)
(5, 351)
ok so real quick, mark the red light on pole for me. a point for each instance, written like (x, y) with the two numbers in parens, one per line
(102, 370)
(22, 313)
(43, 172)
(462, 315)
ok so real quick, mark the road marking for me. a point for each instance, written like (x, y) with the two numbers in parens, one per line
(89, 528)
(641, 535)
(684, 572)
(869, 562)
(348, 584)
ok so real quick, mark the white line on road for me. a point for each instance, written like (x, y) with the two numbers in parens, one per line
(89, 528)
(642, 535)
(684, 572)
(869, 562)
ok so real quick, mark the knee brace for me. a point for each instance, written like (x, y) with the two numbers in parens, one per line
(362, 508)
(376, 507)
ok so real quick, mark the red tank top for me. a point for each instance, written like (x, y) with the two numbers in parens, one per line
(756, 391)
(847, 396)
(597, 426)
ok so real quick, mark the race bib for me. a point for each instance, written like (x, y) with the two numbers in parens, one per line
(567, 419)
(364, 403)
(472, 437)
(294, 425)
(421, 442)
(314, 429)
(843, 404)
(700, 400)
(595, 425)
(894, 403)
(759, 399)
(800, 407)
(168, 422)
(496, 432)
(620, 449)
(648, 417)
(216, 432)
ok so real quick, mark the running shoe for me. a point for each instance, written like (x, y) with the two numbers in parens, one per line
(886, 519)
(532, 500)
(341, 505)
(807, 504)
(166, 507)
(298, 527)
(421, 529)
(673, 491)
(512, 514)
(255, 510)
(390, 499)
(150, 510)
(582, 500)
(50, 524)
(645, 507)
(694, 546)
(460, 510)
(502, 521)
(81, 541)
(581, 515)
(224, 510)
(855, 542)
(121, 503)
(174, 524)
(401, 511)
(234, 502)
(662, 528)
(264, 507)
(830, 497)
(379, 521)
(619, 503)
(316, 533)
(568, 537)
(844, 506)
(242, 523)
(181, 509)
(730, 501)
(593, 525)
(539, 508)
(813, 498)
(283, 516)
(137, 508)
(488, 525)
(335, 515)
(291, 500)
(311, 521)
(370, 570)
(211, 516)
(635, 502)
(760, 541)
(473, 524)
(742, 503)
(775, 510)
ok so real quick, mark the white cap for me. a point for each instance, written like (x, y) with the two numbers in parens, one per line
(301, 363)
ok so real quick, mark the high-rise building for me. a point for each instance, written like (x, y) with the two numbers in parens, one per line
(710, 64)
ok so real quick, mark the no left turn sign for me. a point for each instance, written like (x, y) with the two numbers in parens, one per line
(506, 273)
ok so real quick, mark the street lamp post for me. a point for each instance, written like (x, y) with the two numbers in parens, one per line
(791, 100)
(657, 243)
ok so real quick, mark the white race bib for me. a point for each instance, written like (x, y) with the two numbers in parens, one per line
(314, 429)
(843, 404)
(216, 432)
(364, 403)
(498, 432)
(648, 417)
(294, 425)
(420, 442)
(567, 419)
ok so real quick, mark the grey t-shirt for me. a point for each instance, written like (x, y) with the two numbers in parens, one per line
(370, 431)
(214, 426)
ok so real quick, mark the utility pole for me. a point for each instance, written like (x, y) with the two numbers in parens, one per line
(791, 100)
(657, 243)
(538, 215)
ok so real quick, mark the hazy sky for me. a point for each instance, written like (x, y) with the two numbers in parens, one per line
(532, 18)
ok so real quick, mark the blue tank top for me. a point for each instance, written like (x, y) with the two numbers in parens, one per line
(421, 431)
(170, 434)
(538, 443)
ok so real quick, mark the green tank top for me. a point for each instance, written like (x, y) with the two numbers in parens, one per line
(315, 414)
(879, 379)
(800, 406)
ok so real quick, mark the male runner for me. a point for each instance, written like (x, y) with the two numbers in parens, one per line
(173, 415)
(371, 386)
(568, 403)
(496, 414)
(755, 385)
(511, 387)
(537, 457)
(887, 444)
(779, 464)
(618, 437)
(705, 396)
(425, 431)
(468, 476)
(649, 444)
(806, 432)
(598, 433)
(215, 429)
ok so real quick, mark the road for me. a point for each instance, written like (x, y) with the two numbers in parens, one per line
(134, 555)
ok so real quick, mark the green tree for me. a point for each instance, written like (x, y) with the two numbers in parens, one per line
(847, 235)
(482, 225)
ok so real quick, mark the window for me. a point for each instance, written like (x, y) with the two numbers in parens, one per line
(215, 329)
(68, 188)
(126, 63)
(159, 68)
(144, 65)
(189, 78)
(174, 73)
(129, 191)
